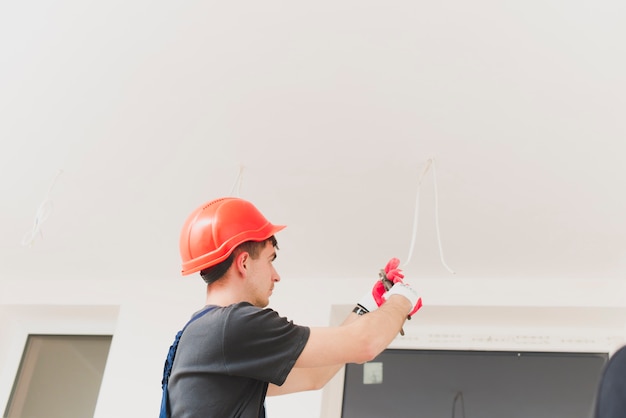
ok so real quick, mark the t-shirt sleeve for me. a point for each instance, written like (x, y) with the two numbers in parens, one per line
(260, 344)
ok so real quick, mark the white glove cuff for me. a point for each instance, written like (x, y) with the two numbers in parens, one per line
(368, 303)
(404, 290)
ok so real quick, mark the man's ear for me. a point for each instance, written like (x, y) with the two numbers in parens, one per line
(241, 262)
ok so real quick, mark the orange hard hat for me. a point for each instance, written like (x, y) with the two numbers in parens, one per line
(212, 231)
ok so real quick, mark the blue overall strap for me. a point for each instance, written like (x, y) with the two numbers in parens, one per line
(169, 362)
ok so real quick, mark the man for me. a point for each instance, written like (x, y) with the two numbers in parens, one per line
(236, 351)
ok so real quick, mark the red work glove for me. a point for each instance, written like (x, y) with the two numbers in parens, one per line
(408, 292)
(393, 272)
(372, 300)
(369, 301)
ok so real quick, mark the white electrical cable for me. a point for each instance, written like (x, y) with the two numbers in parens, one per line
(437, 221)
(416, 213)
(42, 214)
(237, 184)
(430, 163)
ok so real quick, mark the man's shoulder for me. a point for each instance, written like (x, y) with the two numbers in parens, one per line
(249, 310)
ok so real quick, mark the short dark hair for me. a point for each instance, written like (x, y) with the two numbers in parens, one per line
(254, 248)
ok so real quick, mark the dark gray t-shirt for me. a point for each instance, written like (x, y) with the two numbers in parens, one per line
(226, 358)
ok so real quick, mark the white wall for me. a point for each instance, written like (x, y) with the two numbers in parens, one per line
(144, 316)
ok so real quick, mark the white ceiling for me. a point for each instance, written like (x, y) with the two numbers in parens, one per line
(125, 116)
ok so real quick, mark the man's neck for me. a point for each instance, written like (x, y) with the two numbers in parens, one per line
(222, 295)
